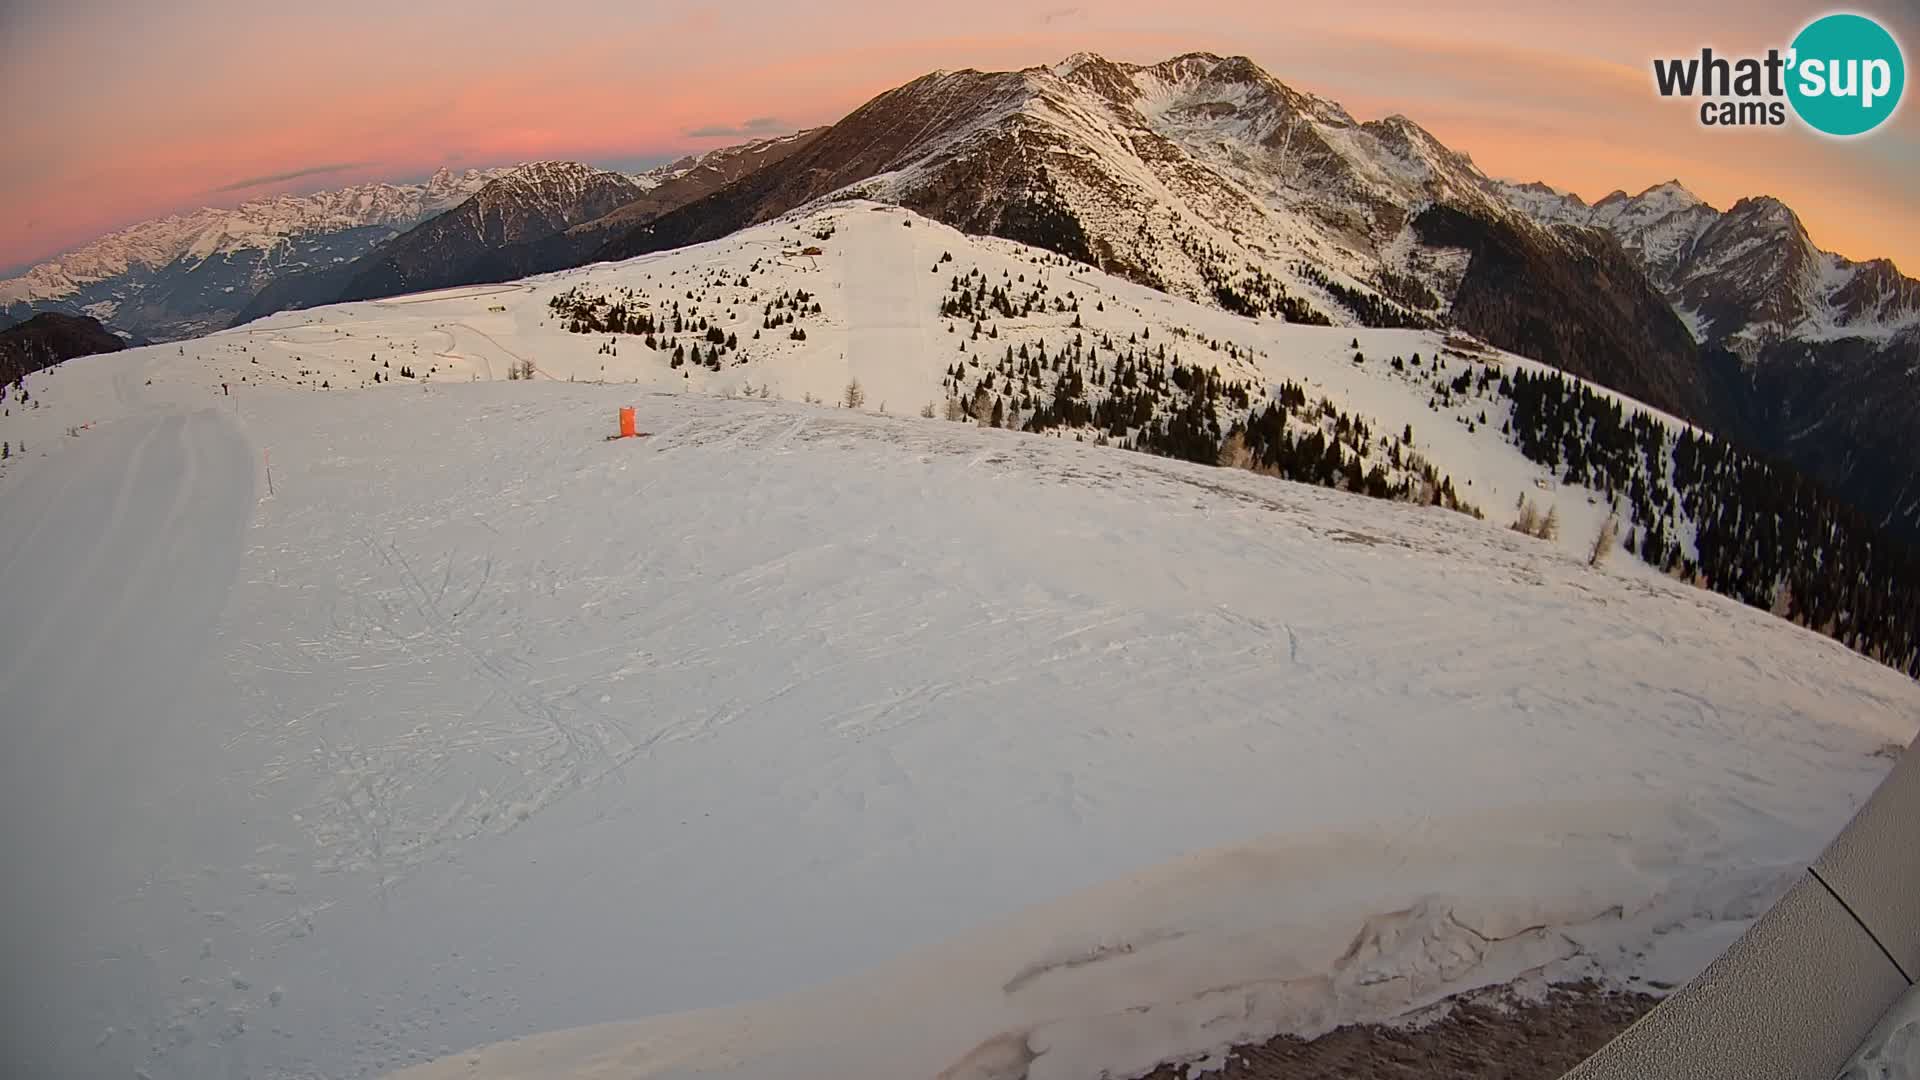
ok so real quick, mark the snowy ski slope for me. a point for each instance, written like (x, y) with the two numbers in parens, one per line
(830, 743)
(880, 286)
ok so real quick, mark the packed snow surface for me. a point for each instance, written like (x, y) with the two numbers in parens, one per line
(801, 741)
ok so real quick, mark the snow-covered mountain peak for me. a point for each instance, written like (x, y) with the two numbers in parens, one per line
(1540, 188)
(1066, 68)
(1764, 212)
(1649, 206)
(1093, 72)
(258, 238)
(1209, 69)
(546, 179)
(1426, 159)
(446, 187)
(1544, 203)
(1659, 221)
(1203, 81)
(545, 195)
(1670, 193)
(1745, 277)
(1659, 226)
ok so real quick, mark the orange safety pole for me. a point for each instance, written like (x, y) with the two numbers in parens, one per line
(626, 422)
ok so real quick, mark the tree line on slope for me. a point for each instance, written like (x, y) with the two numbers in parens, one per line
(634, 312)
(1137, 394)
(1695, 507)
(1761, 532)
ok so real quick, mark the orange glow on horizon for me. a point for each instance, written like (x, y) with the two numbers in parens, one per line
(224, 92)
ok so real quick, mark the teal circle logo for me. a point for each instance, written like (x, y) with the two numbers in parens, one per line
(1846, 74)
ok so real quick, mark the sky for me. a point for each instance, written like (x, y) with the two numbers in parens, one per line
(121, 110)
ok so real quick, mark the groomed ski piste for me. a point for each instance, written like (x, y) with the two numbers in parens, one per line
(798, 740)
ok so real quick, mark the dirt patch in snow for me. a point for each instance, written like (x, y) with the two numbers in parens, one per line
(1486, 1036)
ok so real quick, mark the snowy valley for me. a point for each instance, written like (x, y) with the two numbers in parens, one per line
(798, 739)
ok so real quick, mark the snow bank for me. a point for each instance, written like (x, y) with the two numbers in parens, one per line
(1181, 960)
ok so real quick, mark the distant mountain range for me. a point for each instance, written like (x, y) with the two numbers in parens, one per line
(188, 274)
(1205, 177)
(455, 247)
(1813, 358)
(531, 219)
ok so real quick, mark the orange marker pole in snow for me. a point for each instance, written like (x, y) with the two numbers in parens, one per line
(626, 422)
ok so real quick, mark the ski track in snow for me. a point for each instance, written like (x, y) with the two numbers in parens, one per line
(118, 559)
(827, 724)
